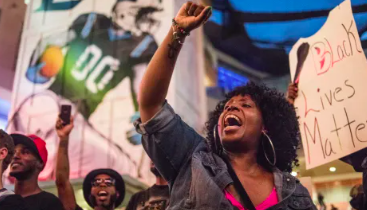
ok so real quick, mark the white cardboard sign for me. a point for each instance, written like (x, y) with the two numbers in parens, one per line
(331, 70)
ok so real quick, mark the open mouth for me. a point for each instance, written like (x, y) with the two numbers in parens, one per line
(232, 120)
(102, 195)
(15, 164)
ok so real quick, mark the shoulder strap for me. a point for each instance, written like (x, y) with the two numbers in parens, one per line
(238, 186)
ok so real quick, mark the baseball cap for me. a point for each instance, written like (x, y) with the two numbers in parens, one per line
(33, 143)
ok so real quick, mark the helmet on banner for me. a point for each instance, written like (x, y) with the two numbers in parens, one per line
(53, 59)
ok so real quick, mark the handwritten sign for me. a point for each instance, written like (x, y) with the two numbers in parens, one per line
(331, 71)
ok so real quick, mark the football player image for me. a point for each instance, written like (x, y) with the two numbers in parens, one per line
(80, 67)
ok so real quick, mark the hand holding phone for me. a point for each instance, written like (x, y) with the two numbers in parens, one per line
(64, 123)
(65, 114)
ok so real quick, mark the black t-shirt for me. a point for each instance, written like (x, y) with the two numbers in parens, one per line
(12, 202)
(154, 198)
(43, 201)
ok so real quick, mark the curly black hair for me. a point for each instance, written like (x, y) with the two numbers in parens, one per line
(279, 120)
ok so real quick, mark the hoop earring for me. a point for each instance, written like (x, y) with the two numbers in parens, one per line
(217, 145)
(272, 147)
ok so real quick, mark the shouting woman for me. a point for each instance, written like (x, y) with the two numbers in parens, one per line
(250, 148)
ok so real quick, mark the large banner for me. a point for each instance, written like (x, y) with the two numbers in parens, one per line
(331, 71)
(92, 54)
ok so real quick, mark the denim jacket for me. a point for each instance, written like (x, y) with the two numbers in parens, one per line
(197, 177)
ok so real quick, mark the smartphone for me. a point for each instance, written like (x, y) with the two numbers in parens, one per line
(65, 114)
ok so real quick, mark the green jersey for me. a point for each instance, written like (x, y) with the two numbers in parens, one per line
(98, 59)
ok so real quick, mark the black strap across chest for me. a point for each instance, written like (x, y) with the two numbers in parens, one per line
(238, 186)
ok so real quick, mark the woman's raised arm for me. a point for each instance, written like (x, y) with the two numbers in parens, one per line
(155, 83)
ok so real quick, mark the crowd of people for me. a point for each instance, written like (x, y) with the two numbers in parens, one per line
(244, 162)
(102, 188)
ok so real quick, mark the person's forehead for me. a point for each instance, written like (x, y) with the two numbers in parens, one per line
(103, 176)
(240, 98)
(20, 146)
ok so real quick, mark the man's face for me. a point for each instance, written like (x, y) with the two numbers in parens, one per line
(24, 163)
(103, 191)
(124, 16)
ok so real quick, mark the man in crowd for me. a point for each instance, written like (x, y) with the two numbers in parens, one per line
(29, 160)
(104, 189)
(155, 197)
(8, 200)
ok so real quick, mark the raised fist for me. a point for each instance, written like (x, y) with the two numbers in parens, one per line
(192, 15)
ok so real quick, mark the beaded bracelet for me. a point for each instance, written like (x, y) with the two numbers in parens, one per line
(178, 32)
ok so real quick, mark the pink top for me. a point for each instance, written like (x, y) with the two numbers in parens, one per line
(271, 200)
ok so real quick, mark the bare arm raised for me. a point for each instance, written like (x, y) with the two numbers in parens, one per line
(168, 140)
(64, 187)
(155, 83)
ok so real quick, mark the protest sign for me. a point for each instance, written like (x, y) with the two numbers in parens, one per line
(331, 71)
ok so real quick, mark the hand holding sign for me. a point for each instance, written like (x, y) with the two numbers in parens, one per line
(292, 92)
(330, 69)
